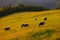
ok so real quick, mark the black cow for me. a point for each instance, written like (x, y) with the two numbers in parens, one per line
(41, 23)
(24, 25)
(45, 19)
(7, 28)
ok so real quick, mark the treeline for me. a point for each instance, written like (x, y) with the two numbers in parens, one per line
(20, 8)
(58, 7)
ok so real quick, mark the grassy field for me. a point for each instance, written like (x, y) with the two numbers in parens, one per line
(49, 31)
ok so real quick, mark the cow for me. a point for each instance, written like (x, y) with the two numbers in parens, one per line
(45, 19)
(24, 25)
(35, 18)
(7, 28)
(41, 23)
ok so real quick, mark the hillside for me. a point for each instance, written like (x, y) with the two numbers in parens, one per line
(49, 31)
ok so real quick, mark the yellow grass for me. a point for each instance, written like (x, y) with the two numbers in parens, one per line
(16, 20)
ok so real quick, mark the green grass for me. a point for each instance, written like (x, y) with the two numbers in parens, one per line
(16, 38)
(39, 35)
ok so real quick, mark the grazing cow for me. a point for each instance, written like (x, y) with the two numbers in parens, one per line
(24, 25)
(35, 18)
(41, 23)
(7, 28)
(45, 18)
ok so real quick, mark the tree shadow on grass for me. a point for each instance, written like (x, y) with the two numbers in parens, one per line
(40, 35)
(57, 38)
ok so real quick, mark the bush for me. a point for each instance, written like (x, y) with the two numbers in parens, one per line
(20, 8)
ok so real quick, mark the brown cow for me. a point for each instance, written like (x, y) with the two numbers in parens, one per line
(45, 19)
